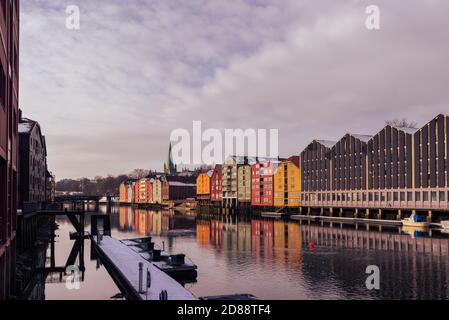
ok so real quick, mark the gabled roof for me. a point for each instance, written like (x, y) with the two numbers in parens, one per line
(26, 127)
(361, 137)
(327, 143)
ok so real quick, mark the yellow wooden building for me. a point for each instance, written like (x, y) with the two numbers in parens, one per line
(203, 185)
(287, 183)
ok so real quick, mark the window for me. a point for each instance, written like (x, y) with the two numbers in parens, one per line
(442, 196)
(434, 196)
(409, 196)
(417, 196)
(402, 196)
(425, 196)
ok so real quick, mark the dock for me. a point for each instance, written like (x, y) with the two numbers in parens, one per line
(123, 264)
(372, 222)
(174, 265)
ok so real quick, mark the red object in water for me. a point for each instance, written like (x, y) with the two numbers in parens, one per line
(312, 245)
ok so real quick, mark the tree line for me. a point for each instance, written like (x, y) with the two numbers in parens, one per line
(98, 186)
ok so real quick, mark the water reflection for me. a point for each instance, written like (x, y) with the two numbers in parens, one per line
(272, 259)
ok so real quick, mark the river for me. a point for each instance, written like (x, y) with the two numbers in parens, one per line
(270, 259)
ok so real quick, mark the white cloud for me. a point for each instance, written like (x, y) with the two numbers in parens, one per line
(109, 95)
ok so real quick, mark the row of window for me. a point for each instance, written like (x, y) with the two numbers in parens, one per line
(384, 196)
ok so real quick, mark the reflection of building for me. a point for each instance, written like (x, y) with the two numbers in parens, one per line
(279, 233)
(397, 168)
(203, 232)
(287, 183)
(216, 228)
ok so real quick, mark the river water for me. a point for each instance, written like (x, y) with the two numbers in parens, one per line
(270, 259)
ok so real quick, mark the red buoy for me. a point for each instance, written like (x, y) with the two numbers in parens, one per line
(312, 245)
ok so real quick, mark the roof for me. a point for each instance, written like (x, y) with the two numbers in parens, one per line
(181, 184)
(408, 130)
(362, 137)
(26, 127)
(327, 143)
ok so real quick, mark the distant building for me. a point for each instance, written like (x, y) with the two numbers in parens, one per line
(175, 188)
(203, 185)
(50, 187)
(156, 186)
(9, 115)
(403, 169)
(263, 182)
(32, 163)
(244, 184)
(126, 191)
(287, 183)
(216, 193)
(229, 177)
(169, 166)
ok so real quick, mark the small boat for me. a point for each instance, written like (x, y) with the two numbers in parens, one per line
(415, 221)
(445, 224)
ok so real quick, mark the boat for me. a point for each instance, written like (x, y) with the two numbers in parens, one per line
(415, 221)
(445, 224)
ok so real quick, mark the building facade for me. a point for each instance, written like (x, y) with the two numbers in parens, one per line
(32, 164)
(9, 115)
(263, 183)
(244, 184)
(230, 180)
(145, 192)
(216, 193)
(50, 187)
(287, 183)
(398, 168)
(203, 186)
(176, 188)
(156, 185)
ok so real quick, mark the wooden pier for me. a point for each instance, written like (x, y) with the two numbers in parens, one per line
(125, 265)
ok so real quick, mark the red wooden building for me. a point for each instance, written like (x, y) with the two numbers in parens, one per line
(262, 187)
(9, 117)
(216, 184)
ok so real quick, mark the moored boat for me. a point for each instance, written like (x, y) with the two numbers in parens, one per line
(415, 221)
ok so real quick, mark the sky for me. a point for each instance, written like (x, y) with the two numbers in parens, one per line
(109, 95)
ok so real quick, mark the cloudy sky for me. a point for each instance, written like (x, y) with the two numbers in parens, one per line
(108, 95)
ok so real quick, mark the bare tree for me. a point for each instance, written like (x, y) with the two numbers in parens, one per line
(402, 123)
(139, 173)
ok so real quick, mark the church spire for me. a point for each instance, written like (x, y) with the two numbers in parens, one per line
(169, 166)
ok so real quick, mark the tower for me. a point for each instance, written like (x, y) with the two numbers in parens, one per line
(169, 167)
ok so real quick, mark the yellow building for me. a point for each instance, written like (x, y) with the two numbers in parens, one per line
(156, 185)
(125, 191)
(287, 183)
(203, 185)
